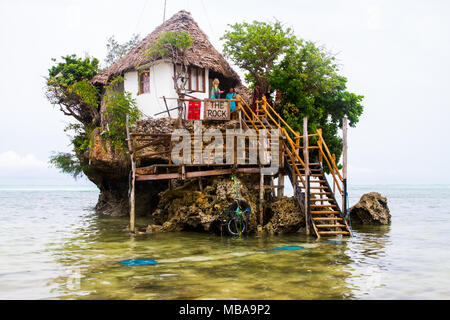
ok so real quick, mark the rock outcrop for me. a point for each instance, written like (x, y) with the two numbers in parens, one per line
(372, 209)
(181, 205)
(186, 208)
(110, 172)
(285, 216)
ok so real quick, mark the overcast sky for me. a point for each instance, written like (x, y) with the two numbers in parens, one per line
(395, 53)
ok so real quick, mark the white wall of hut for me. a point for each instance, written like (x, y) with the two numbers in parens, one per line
(161, 85)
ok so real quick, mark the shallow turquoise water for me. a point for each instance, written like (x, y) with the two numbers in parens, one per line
(52, 246)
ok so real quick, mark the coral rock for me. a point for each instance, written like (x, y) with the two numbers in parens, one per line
(372, 209)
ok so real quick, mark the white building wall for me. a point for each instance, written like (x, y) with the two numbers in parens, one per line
(161, 84)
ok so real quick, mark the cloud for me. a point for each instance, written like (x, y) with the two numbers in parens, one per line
(12, 160)
(373, 18)
(27, 170)
(360, 170)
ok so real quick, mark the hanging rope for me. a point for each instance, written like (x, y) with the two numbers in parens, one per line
(236, 186)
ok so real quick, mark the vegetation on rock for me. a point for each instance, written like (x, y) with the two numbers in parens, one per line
(173, 46)
(69, 87)
(256, 48)
(306, 77)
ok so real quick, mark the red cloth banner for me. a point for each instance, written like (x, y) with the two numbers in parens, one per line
(194, 110)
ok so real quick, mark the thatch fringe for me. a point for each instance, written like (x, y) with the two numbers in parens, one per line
(202, 53)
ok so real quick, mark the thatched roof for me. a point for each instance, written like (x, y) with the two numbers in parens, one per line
(201, 54)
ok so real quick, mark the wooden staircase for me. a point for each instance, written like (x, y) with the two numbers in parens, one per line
(316, 197)
(309, 181)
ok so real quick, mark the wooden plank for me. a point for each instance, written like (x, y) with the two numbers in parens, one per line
(216, 109)
(307, 173)
(218, 172)
(344, 169)
(327, 219)
(330, 226)
(325, 212)
(323, 206)
(333, 232)
(248, 170)
(167, 108)
(280, 185)
(162, 176)
(261, 199)
(133, 180)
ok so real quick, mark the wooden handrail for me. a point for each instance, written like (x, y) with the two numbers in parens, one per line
(245, 113)
(265, 104)
(332, 172)
(319, 132)
(253, 114)
(297, 172)
(324, 151)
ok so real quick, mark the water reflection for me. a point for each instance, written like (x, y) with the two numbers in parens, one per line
(368, 250)
(200, 266)
(51, 248)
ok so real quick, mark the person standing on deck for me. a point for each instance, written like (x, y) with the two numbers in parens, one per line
(232, 95)
(215, 91)
(257, 96)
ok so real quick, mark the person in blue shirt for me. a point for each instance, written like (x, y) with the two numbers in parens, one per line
(232, 96)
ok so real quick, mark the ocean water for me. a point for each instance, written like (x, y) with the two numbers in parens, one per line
(53, 246)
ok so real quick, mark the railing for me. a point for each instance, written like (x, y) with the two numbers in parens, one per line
(290, 135)
(265, 116)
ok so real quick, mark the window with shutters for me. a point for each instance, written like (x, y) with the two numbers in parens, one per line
(144, 82)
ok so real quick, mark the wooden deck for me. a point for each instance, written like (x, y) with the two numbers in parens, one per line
(324, 216)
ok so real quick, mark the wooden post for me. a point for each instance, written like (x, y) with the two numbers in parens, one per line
(167, 108)
(183, 172)
(319, 143)
(344, 164)
(133, 178)
(200, 184)
(240, 119)
(306, 160)
(280, 184)
(261, 198)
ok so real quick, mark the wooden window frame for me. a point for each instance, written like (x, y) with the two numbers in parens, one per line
(189, 83)
(140, 82)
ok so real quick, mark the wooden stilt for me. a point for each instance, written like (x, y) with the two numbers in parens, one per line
(167, 108)
(183, 172)
(261, 199)
(280, 185)
(200, 184)
(306, 160)
(133, 178)
(344, 165)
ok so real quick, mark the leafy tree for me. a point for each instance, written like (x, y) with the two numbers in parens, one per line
(256, 48)
(311, 86)
(115, 50)
(67, 163)
(68, 87)
(306, 76)
(117, 105)
(174, 46)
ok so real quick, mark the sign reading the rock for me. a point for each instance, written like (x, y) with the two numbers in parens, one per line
(217, 109)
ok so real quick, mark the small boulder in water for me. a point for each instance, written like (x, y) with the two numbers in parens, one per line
(372, 209)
